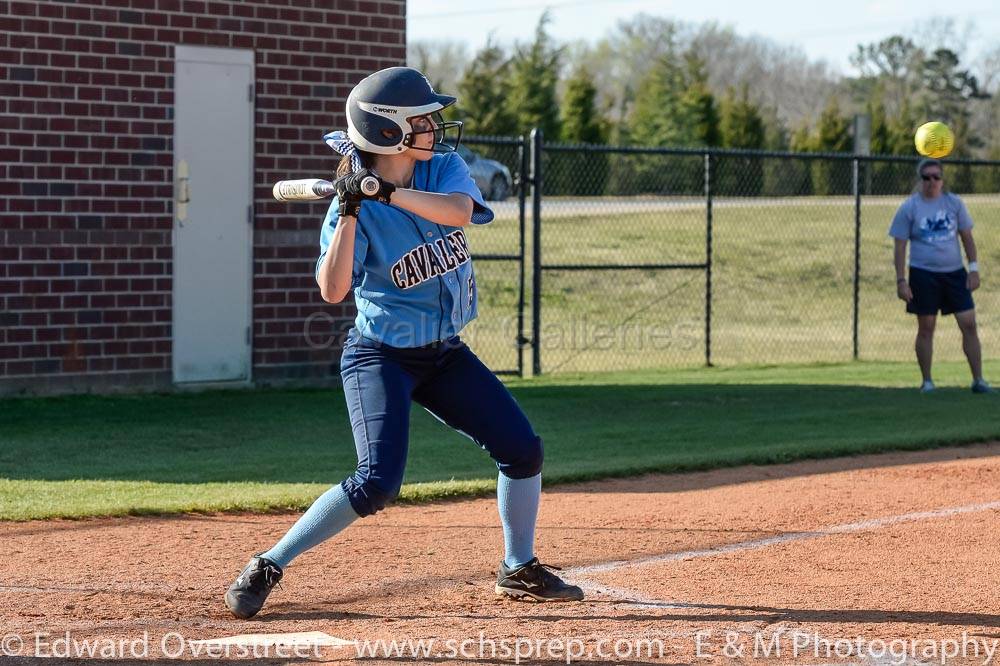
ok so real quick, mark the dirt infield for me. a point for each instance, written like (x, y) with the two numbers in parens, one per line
(897, 555)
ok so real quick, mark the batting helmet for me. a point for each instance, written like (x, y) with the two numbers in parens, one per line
(380, 107)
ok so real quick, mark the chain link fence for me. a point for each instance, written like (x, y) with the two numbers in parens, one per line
(622, 258)
(497, 165)
(621, 272)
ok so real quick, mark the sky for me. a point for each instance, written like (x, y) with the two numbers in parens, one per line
(826, 31)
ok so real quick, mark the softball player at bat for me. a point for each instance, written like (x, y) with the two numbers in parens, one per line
(401, 247)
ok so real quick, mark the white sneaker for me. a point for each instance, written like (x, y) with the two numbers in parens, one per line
(927, 386)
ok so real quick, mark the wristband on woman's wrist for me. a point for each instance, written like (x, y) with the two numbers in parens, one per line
(973, 266)
(898, 280)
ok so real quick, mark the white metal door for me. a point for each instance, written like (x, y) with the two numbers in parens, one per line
(213, 199)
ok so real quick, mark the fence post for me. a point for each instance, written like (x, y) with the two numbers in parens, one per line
(857, 254)
(536, 251)
(523, 178)
(708, 259)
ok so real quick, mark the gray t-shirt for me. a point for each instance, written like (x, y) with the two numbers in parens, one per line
(932, 226)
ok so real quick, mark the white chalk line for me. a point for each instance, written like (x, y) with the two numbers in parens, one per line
(755, 544)
(634, 599)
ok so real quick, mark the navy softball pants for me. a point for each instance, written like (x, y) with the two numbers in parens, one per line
(446, 378)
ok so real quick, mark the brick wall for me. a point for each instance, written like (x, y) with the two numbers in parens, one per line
(86, 182)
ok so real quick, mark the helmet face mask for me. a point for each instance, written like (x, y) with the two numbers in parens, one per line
(380, 108)
(443, 143)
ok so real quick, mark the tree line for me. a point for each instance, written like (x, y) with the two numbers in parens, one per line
(656, 82)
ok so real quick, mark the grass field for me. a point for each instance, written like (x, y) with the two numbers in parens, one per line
(782, 285)
(260, 450)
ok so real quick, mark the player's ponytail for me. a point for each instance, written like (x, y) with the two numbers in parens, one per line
(354, 159)
(344, 168)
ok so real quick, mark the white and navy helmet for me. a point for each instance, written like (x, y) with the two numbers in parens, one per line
(379, 109)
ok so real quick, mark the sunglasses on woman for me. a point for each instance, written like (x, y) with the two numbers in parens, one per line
(931, 176)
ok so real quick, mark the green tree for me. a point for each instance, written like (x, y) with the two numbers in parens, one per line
(896, 177)
(531, 94)
(879, 125)
(782, 176)
(621, 168)
(581, 173)
(879, 175)
(948, 91)
(619, 129)
(802, 140)
(833, 135)
(893, 68)
(917, 86)
(482, 94)
(673, 108)
(900, 129)
(656, 118)
(698, 109)
(581, 121)
(775, 131)
(800, 180)
(889, 83)
(741, 126)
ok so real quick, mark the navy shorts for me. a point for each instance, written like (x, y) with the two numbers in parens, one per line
(933, 291)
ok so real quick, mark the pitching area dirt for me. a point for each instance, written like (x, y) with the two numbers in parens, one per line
(747, 564)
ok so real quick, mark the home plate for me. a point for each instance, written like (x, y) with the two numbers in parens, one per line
(300, 639)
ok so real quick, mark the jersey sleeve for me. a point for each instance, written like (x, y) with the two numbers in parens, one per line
(455, 177)
(326, 237)
(964, 219)
(901, 223)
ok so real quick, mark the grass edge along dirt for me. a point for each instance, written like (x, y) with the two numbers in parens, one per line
(596, 426)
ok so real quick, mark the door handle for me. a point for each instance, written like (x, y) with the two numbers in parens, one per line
(183, 191)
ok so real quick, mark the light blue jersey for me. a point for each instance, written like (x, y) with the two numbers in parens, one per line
(413, 279)
(932, 226)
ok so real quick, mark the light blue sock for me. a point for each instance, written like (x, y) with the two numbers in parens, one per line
(329, 514)
(517, 501)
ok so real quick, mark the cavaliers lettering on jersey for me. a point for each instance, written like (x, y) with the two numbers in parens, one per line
(413, 280)
(431, 260)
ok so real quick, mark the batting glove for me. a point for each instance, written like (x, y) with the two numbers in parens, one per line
(365, 184)
(350, 205)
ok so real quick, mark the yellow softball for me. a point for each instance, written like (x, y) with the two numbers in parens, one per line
(934, 139)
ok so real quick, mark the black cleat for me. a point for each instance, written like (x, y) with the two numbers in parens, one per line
(245, 597)
(535, 581)
(981, 386)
